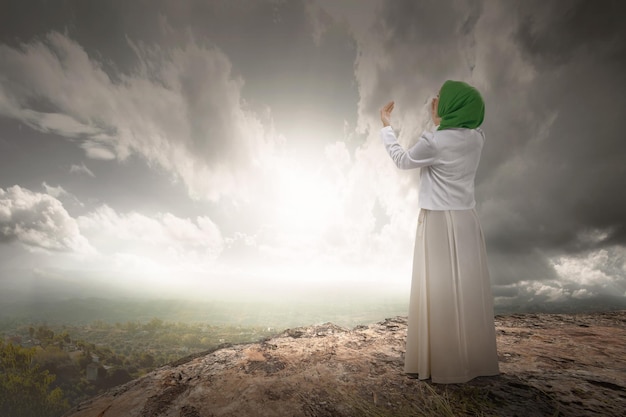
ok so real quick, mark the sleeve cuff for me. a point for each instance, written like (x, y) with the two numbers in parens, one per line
(387, 135)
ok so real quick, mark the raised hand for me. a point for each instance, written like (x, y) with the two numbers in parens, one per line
(434, 114)
(385, 113)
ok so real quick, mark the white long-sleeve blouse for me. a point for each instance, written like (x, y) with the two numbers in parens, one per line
(448, 160)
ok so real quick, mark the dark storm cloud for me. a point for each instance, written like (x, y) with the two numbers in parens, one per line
(551, 33)
(100, 26)
(175, 110)
(555, 190)
(431, 22)
(425, 43)
(231, 63)
(569, 173)
(306, 85)
(269, 44)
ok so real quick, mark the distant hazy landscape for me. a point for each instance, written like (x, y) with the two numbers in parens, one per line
(59, 330)
(278, 313)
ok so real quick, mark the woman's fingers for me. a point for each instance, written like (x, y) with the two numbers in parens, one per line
(387, 108)
(385, 113)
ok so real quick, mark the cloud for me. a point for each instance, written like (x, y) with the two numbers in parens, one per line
(55, 192)
(597, 271)
(546, 184)
(95, 150)
(81, 169)
(180, 109)
(162, 239)
(551, 35)
(105, 237)
(39, 221)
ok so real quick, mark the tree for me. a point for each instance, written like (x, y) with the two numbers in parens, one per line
(24, 388)
(44, 334)
(51, 358)
(64, 337)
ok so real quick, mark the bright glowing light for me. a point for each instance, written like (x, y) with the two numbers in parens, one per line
(306, 201)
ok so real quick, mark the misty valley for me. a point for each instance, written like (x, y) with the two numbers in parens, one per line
(55, 354)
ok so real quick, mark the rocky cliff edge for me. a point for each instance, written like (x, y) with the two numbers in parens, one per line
(565, 365)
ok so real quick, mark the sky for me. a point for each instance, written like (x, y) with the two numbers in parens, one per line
(230, 148)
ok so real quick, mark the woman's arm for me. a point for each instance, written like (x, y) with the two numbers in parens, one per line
(422, 154)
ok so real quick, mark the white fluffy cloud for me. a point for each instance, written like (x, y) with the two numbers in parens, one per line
(600, 272)
(162, 239)
(39, 221)
(597, 271)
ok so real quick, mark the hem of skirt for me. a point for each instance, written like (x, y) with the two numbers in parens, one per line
(463, 378)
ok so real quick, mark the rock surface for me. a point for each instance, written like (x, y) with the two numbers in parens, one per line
(565, 365)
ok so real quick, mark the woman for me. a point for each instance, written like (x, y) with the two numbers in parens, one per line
(451, 334)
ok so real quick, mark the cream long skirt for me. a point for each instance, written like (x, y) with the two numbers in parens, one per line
(451, 333)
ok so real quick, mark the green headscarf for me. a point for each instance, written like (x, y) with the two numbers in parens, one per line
(460, 105)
